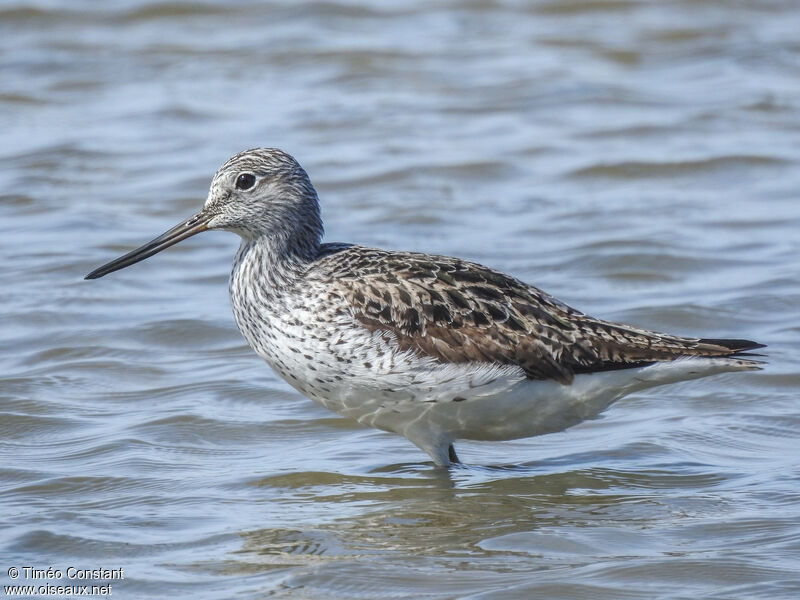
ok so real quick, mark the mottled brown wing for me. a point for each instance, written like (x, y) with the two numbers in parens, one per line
(456, 311)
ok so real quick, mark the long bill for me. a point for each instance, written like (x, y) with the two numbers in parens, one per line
(194, 225)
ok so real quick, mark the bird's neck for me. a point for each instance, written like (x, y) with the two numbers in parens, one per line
(272, 264)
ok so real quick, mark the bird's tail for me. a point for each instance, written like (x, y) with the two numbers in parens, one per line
(685, 358)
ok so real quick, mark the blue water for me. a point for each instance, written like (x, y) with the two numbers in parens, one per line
(638, 160)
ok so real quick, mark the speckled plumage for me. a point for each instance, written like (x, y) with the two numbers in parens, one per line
(432, 347)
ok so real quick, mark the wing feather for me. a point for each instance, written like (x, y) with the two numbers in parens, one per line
(456, 311)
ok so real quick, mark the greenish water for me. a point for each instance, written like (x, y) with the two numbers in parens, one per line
(638, 160)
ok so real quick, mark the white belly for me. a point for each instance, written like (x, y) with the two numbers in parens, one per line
(364, 376)
(433, 404)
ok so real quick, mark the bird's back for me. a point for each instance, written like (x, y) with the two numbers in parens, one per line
(456, 311)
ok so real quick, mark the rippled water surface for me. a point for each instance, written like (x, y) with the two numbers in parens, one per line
(639, 160)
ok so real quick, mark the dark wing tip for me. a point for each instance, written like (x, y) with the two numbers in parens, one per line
(734, 346)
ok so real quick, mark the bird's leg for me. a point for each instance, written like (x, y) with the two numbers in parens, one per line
(433, 442)
(451, 454)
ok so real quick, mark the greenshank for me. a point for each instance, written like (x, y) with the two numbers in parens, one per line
(434, 348)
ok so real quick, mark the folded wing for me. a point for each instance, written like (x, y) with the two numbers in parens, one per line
(457, 311)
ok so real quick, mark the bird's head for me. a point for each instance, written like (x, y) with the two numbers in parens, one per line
(262, 192)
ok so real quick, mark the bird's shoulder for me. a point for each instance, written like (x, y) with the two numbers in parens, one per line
(413, 280)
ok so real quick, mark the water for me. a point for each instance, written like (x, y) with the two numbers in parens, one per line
(638, 160)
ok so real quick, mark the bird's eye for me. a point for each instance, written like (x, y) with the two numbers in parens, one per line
(245, 181)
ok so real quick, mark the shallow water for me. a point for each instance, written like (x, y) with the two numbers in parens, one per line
(638, 160)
